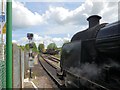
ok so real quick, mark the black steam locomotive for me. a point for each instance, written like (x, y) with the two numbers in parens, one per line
(92, 59)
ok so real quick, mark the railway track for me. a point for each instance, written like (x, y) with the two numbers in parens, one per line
(51, 70)
(50, 61)
(53, 58)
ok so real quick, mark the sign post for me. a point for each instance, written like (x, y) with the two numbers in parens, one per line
(31, 62)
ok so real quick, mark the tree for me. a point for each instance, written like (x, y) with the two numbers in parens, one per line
(41, 47)
(52, 46)
(22, 47)
(27, 46)
(34, 49)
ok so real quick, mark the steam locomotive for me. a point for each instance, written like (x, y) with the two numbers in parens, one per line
(92, 59)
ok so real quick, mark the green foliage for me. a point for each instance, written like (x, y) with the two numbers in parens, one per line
(52, 46)
(34, 49)
(27, 46)
(41, 47)
(22, 47)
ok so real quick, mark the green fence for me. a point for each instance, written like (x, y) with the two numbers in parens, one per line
(2, 74)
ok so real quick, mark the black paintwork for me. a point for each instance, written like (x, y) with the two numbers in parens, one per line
(93, 20)
(92, 59)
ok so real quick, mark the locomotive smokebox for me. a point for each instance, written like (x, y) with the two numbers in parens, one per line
(93, 20)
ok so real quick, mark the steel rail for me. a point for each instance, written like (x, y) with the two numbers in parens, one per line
(51, 72)
(49, 63)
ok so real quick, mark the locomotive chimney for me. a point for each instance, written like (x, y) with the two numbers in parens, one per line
(93, 20)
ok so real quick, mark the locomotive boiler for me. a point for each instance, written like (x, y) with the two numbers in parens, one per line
(91, 60)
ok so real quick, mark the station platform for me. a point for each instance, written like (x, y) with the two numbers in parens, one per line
(39, 80)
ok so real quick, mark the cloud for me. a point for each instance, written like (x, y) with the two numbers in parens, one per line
(61, 20)
(14, 41)
(63, 0)
(21, 41)
(43, 39)
(110, 12)
(47, 40)
(62, 16)
(23, 17)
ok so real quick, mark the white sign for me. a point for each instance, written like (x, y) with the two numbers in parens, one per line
(31, 63)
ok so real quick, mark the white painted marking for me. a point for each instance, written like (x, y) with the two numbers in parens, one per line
(35, 77)
(26, 80)
(34, 85)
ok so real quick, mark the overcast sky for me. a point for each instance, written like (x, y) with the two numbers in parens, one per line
(57, 21)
